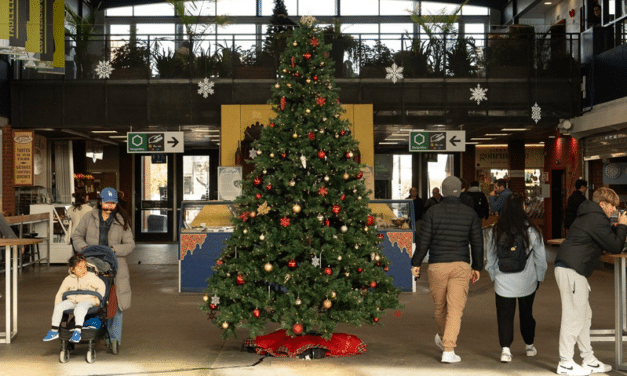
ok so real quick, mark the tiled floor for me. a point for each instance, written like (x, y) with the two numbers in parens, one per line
(165, 333)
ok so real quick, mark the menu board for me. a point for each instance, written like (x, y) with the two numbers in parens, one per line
(23, 158)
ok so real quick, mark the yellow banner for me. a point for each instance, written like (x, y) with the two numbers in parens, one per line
(33, 27)
(23, 157)
(4, 20)
(58, 16)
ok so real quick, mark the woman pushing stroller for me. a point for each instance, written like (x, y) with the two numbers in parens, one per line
(109, 225)
(79, 279)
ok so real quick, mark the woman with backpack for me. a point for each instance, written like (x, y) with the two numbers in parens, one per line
(516, 262)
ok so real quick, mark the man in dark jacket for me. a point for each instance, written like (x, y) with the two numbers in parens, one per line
(589, 235)
(575, 199)
(499, 195)
(481, 202)
(447, 229)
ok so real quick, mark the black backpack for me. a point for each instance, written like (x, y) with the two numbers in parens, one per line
(512, 259)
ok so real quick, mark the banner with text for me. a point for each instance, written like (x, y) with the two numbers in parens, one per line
(23, 157)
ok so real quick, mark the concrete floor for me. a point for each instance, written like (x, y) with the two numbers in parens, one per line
(165, 333)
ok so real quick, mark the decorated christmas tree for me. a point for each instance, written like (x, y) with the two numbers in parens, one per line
(304, 251)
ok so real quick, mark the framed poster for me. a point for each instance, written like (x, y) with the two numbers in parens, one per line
(229, 183)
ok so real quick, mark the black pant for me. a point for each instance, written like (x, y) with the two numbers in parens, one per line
(505, 311)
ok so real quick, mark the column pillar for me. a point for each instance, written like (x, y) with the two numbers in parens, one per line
(516, 151)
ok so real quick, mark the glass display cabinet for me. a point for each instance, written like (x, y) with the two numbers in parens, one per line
(204, 226)
(60, 250)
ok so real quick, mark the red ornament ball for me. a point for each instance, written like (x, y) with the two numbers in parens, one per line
(291, 264)
(359, 270)
(296, 74)
(240, 280)
(321, 154)
(380, 236)
(360, 175)
(385, 268)
(315, 78)
(370, 220)
(269, 187)
(336, 209)
(342, 133)
(373, 284)
(297, 329)
(342, 197)
(256, 313)
(347, 155)
(376, 319)
(311, 136)
(257, 181)
(258, 196)
(283, 155)
(328, 271)
(272, 125)
(212, 306)
(219, 262)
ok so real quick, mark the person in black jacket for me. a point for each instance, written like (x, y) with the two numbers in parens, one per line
(480, 200)
(447, 229)
(589, 235)
(575, 199)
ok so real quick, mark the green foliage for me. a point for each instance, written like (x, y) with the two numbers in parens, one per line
(516, 48)
(194, 28)
(378, 55)
(82, 33)
(291, 169)
(131, 55)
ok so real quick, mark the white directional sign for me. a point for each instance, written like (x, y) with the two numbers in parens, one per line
(155, 142)
(433, 141)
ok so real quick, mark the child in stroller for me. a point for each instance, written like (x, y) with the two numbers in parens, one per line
(83, 294)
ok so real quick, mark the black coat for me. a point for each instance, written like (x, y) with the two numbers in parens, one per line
(570, 213)
(447, 229)
(589, 235)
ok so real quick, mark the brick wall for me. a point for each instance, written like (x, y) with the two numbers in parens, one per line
(8, 190)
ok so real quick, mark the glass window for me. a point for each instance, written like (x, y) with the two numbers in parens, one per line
(429, 7)
(359, 8)
(119, 12)
(119, 34)
(438, 171)
(154, 10)
(391, 34)
(316, 7)
(242, 34)
(477, 32)
(237, 7)
(368, 31)
(200, 8)
(471, 10)
(195, 177)
(267, 6)
(397, 7)
(401, 177)
(153, 31)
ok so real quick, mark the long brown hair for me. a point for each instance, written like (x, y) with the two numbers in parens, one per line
(513, 221)
(126, 218)
(79, 198)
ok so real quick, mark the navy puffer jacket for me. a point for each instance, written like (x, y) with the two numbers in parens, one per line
(446, 231)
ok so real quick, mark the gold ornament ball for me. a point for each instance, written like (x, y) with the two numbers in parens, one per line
(322, 130)
(294, 44)
(366, 229)
(225, 325)
(339, 258)
(265, 171)
(308, 81)
(330, 87)
(345, 176)
(245, 231)
(298, 301)
(308, 111)
(377, 258)
(295, 135)
(333, 294)
(359, 198)
(343, 229)
(347, 274)
(271, 155)
(277, 86)
(284, 70)
(326, 178)
(320, 217)
(350, 154)
(259, 152)
(292, 183)
(322, 63)
(267, 267)
(296, 208)
(261, 237)
(324, 119)
(289, 85)
(327, 304)
(354, 190)
(205, 298)
(252, 214)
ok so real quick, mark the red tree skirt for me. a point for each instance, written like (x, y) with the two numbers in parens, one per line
(280, 345)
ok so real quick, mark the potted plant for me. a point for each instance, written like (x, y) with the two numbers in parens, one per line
(255, 63)
(512, 54)
(462, 58)
(373, 60)
(415, 60)
(341, 44)
(82, 34)
(132, 60)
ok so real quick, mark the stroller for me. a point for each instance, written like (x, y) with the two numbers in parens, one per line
(102, 261)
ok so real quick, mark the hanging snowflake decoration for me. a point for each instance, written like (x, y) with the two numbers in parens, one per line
(104, 69)
(252, 154)
(536, 113)
(205, 87)
(315, 261)
(215, 299)
(478, 94)
(395, 73)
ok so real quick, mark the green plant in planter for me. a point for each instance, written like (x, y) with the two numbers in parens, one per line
(463, 60)
(341, 44)
(165, 63)
(513, 52)
(415, 61)
(132, 59)
(205, 64)
(374, 59)
(83, 32)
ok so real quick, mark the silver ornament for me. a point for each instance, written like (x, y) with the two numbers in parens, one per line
(343, 229)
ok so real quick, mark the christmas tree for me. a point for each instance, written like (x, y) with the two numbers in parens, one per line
(304, 251)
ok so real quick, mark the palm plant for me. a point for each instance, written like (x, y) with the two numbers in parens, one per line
(82, 34)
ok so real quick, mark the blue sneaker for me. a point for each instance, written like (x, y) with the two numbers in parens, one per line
(76, 336)
(93, 323)
(52, 334)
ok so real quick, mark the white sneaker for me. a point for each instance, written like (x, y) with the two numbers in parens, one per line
(506, 355)
(438, 341)
(450, 357)
(531, 350)
(595, 366)
(571, 368)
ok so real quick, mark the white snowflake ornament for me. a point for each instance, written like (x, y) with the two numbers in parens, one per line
(205, 87)
(536, 113)
(215, 299)
(394, 73)
(104, 69)
(478, 94)
(315, 261)
(252, 154)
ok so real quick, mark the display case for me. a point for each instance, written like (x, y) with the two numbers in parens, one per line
(60, 251)
(395, 219)
(204, 227)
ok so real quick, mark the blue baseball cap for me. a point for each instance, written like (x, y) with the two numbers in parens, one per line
(109, 195)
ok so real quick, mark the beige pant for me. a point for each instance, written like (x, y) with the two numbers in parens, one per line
(449, 283)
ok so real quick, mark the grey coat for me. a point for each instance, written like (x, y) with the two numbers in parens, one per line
(86, 234)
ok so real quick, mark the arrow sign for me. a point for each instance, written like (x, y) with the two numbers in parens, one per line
(437, 141)
(174, 142)
(155, 142)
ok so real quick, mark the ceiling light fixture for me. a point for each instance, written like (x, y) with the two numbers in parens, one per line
(117, 136)
(396, 139)
(110, 131)
(492, 146)
(388, 143)
(547, 3)
(482, 138)
(497, 134)
(514, 129)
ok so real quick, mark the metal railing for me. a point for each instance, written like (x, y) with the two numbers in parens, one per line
(356, 56)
